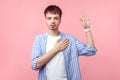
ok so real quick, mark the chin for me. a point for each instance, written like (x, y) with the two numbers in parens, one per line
(53, 29)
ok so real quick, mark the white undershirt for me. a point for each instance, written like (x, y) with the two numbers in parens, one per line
(55, 68)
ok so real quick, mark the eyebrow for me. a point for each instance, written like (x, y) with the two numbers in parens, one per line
(54, 17)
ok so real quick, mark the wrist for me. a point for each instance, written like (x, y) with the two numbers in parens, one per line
(87, 30)
(56, 50)
(85, 27)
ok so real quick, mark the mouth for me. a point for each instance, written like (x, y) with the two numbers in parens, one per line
(52, 26)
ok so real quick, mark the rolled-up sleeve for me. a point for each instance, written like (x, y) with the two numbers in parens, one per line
(84, 49)
(35, 53)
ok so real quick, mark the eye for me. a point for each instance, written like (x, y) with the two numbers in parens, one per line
(56, 18)
(48, 18)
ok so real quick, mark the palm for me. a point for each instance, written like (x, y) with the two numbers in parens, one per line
(84, 20)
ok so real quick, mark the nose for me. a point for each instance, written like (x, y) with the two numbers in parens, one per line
(52, 21)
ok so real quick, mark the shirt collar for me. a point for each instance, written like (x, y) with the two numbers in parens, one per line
(46, 35)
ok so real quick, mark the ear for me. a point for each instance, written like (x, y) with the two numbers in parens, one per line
(60, 20)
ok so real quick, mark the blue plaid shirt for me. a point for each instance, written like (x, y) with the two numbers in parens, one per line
(71, 54)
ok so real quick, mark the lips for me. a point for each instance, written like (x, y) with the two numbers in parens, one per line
(52, 25)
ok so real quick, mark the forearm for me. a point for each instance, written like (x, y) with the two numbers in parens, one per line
(89, 38)
(59, 46)
(42, 60)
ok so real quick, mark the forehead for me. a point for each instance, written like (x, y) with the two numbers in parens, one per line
(49, 14)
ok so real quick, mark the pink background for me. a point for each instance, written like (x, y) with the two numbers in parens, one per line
(22, 20)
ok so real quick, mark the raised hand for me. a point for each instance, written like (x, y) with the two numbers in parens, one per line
(84, 20)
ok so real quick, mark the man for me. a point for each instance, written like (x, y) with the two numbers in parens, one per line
(55, 54)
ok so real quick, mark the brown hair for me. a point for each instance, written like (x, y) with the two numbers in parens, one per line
(53, 9)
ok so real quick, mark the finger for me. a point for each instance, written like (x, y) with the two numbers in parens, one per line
(66, 40)
(81, 16)
(65, 45)
(84, 15)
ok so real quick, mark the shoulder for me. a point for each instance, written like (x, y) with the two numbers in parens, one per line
(71, 37)
(40, 36)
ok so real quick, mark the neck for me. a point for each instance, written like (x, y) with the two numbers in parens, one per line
(54, 33)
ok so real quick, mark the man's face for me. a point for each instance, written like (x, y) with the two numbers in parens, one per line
(52, 20)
